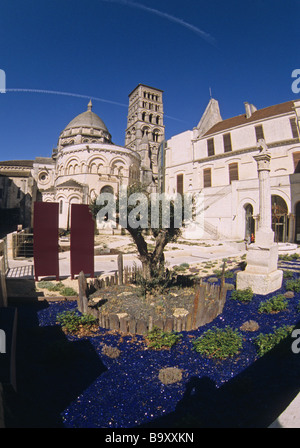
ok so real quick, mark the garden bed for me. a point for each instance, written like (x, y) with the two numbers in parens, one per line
(112, 380)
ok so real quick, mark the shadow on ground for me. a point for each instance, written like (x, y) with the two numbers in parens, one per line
(51, 372)
(253, 399)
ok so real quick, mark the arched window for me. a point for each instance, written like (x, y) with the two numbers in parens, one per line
(249, 222)
(157, 119)
(107, 189)
(61, 206)
(280, 219)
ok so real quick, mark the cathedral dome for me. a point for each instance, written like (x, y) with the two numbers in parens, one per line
(87, 119)
(86, 127)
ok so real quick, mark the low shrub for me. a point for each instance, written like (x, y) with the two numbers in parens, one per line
(184, 265)
(71, 321)
(243, 295)
(287, 274)
(60, 287)
(274, 305)
(68, 292)
(219, 343)
(159, 339)
(293, 285)
(50, 285)
(265, 342)
(227, 274)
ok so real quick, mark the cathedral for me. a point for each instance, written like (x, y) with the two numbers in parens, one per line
(86, 162)
(214, 158)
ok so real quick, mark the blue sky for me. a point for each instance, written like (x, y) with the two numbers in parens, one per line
(242, 50)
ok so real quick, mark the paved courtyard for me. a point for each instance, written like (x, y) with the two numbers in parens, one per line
(177, 253)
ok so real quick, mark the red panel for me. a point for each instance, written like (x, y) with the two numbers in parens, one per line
(45, 239)
(82, 240)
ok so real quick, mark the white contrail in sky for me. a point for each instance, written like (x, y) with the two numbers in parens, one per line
(54, 92)
(78, 95)
(167, 16)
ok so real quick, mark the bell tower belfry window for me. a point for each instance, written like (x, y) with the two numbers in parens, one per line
(145, 111)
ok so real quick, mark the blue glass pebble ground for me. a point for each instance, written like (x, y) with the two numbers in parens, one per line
(128, 393)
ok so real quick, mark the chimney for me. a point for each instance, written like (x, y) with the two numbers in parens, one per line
(250, 109)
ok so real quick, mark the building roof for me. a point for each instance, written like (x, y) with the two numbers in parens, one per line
(144, 85)
(70, 183)
(45, 160)
(257, 115)
(87, 119)
(20, 163)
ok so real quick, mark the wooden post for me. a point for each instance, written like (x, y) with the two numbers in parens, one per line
(223, 275)
(83, 293)
(120, 268)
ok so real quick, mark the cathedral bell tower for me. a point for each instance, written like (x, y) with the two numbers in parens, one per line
(145, 119)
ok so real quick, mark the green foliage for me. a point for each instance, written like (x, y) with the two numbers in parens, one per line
(274, 305)
(293, 285)
(157, 283)
(68, 292)
(185, 265)
(59, 287)
(50, 285)
(288, 257)
(265, 342)
(159, 339)
(227, 274)
(242, 295)
(181, 267)
(71, 321)
(219, 343)
(287, 274)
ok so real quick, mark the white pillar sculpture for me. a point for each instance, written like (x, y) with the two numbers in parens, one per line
(261, 273)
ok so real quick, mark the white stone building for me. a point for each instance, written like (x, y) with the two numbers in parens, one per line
(86, 162)
(216, 159)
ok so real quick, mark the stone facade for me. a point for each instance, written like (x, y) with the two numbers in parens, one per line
(216, 159)
(145, 129)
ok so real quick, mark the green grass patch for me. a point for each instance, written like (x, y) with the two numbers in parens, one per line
(274, 305)
(219, 343)
(293, 285)
(159, 339)
(266, 342)
(71, 321)
(59, 287)
(242, 295)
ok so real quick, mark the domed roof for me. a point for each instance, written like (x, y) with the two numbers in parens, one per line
(87, 119)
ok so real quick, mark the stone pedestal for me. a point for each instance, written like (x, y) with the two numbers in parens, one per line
(261, 273)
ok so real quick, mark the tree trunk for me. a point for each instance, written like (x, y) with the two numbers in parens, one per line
(147, 271)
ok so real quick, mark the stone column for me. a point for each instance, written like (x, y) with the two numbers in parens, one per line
(265, 234)
(261, 273)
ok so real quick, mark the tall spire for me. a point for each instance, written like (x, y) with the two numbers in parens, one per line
(90, 105)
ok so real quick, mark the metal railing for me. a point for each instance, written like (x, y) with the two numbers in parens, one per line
(22, 245)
